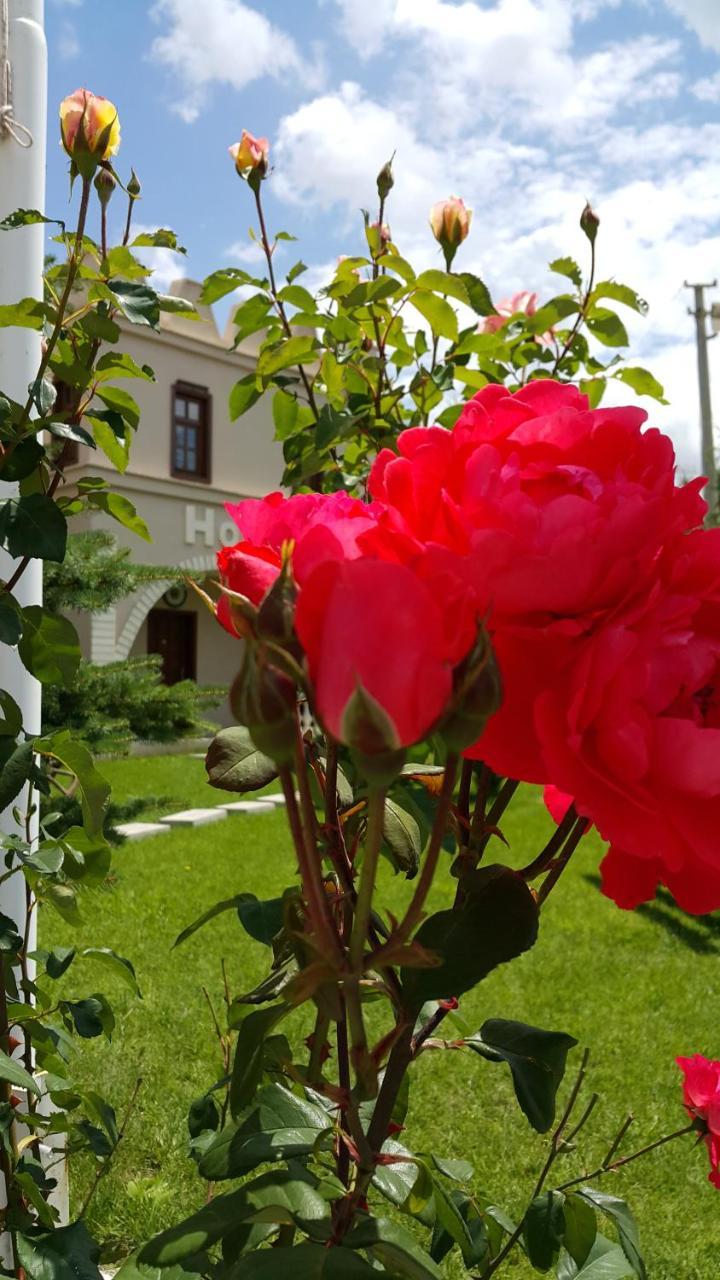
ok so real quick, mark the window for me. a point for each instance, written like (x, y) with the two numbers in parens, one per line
(190, 437)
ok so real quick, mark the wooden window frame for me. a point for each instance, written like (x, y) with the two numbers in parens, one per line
(193, 392)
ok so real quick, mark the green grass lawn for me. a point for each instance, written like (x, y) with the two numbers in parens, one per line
(638, 988)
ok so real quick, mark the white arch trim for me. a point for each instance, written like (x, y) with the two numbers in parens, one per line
(150, 596)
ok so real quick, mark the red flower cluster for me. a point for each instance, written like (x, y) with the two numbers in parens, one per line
(562, 528)
(701, 1091)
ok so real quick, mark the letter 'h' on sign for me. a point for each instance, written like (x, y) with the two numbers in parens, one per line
(196, 524)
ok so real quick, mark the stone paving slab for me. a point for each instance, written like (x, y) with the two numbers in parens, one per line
(248, 806)
(194, 817)
(138, 830)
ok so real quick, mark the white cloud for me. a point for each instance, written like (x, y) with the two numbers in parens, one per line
(707, 89)
(68, 43)
(250, 252)
(221, 42)
(702, 16)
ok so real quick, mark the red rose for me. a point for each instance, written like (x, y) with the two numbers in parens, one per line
(633, 732)
(701, 1093)
(250, 571)
(559, 513)
(375, 625)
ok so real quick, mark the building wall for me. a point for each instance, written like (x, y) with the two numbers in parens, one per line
(186, 517)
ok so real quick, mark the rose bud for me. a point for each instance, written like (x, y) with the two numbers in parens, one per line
(450, 222)
(385, 179)
(104, 184)
(265, 701)
(477, 694)
(589, 222)
(701, 1094)
(133, 187)
(250, 155)
(89, 130)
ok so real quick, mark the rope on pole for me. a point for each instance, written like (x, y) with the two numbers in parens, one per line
(9, 126)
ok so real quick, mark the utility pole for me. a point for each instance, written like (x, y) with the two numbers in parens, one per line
(709, 465)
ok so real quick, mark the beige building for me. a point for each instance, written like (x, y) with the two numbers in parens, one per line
(187, 459)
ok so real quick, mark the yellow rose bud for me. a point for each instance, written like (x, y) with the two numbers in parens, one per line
(89, 129)
(450, 222)
(250, 154)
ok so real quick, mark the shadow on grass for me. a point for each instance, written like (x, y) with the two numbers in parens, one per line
(699, 933)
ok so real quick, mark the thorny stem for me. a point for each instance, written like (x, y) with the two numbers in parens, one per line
(105, 1166)
(414, 912)
(635, 1155)
(309, 871)
(551, 1158)
(553, 846)
(581, 313)
(551, 879)
(368, 873)
(343, 1059)
(279, 307)
(103, 230)
(5, 1092)
(128, 220)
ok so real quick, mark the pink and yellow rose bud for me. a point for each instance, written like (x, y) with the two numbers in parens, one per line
(89, 130)
(250, 155)
(450, 223)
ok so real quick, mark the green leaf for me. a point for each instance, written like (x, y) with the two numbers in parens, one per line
(607, 327)
(280, 1125)
(222, 282)
(96, 325)
(394, 1247)
(497, 921)
(621, 1216)
(121, 967)
(11, 723)
(65, 1253)
(536, 1058)
(594, 389)
(543, 1229)
(478, 294)
(619, 293)
(121, 400)
(303, 1262)
(122, 510)
(120, 261)
(26, 314)
(49, 648)
(34, 526)
(10, 624)
(262, 920)
(251, 316)
(115, 445)
(26, 218)
(133, 1269)
(580, 1228)
(64, 899)
(295, 271)
(91, 1017)
(115, 364)
(233, 762)
(402, 268)
(606, 1261)
(10, 940)
(217, 909)
(138, 302)
(15, 773)
(58, 961)
(177, 306)
(94, 791)
(567, 267)
(642, 382)
(283, 1196)
(14, 1073)
(160, 239)
(248, 1062)
(285, 411)
(70, 431)
(444, 282)
(401, 835)
(438, 313)
(243, 396)
(203, 1114)
(301, 349)
(298, 297)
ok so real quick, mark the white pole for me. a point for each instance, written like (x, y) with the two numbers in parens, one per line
(22, 186)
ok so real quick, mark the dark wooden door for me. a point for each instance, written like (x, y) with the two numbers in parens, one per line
(172, 633)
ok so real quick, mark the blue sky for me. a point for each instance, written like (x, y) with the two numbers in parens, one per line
(523, 107)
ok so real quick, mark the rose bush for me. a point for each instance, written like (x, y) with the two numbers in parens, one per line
(701, 1091)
